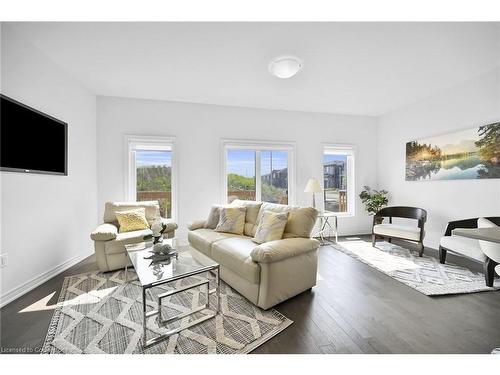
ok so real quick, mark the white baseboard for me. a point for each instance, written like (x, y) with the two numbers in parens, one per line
(24, 288)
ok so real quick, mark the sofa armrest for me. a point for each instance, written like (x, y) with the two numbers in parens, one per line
(274, 251)
(197, 224)
(170, 225)
(104, 232)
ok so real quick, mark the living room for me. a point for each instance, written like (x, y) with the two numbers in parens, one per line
(250, 187)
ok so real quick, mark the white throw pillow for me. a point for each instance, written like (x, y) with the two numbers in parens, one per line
(271, 227)
(490, 249)
(213, 217)
(232, 220)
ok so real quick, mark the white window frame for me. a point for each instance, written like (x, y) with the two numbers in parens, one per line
(152, 143)
(254, 145)
(351, 152)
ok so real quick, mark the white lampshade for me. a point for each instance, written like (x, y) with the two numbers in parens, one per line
(313, 186)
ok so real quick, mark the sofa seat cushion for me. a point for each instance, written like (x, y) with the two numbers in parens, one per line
(202, 239)
(463, 246)
(234, 253)
(118, 244)
(401, 231)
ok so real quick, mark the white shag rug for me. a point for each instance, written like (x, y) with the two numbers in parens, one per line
(424, 274)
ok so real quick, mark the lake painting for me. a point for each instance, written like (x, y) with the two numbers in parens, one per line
(466, 154)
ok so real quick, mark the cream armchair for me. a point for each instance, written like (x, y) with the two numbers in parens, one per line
(109, 243)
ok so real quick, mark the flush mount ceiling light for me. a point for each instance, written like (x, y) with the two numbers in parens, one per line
(285, 66)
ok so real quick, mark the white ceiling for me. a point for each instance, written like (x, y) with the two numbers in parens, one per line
(353, 68)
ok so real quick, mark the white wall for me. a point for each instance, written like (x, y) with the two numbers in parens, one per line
(46, 220)
(198, 130)
(474, 103)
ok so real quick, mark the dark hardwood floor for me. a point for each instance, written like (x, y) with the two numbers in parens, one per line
(353, 309)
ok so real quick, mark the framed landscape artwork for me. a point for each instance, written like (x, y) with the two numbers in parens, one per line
(466, 154)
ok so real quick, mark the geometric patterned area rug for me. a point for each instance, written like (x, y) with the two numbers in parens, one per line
(424, 274)
(101, 313)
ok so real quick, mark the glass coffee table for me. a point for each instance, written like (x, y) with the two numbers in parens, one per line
(184, 263)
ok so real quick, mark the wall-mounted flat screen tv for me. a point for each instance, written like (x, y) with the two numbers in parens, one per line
(31, 141)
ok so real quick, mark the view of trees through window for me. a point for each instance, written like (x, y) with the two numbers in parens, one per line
(335, 182)
(154, 178)
(241, 175)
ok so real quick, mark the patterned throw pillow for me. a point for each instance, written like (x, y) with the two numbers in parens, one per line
(270, 227)
(132, 220)
(232, 220)
(213, 217)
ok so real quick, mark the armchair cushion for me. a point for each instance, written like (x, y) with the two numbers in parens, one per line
(104, 232)
(132, 220)
(152, 210)
(490, 249)
(463, 246)
(274, 251)
(401, 231)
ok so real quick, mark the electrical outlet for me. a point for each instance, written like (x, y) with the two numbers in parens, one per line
(3, 260)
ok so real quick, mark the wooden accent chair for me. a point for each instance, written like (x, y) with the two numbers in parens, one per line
(401, 231)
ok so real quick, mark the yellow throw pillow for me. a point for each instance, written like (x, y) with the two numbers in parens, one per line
(231, 220)
(270, 227)
(132, 220)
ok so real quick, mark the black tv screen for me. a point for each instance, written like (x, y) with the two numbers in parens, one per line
(31, 141)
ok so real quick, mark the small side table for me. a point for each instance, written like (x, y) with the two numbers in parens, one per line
(326, 226)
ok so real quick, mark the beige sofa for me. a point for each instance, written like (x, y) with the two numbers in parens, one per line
(109, 243)
(269, 273)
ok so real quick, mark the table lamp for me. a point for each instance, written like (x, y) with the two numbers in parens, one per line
(313, 186)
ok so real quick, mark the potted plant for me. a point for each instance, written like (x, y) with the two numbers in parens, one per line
(374, 200)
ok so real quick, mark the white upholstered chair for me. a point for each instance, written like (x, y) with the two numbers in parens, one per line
(484, 252)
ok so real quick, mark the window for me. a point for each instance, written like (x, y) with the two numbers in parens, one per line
(257, 172)
(338, 179)
(150, 172)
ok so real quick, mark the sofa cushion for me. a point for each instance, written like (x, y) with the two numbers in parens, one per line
(202, 239)
(273, 207)
(301, 221)
(213, 217)
(152, 209)
(232, 220)
(234, 253)
(252, 212)
(464, 246)
(118, 244)
(401, 231)
(271, 227)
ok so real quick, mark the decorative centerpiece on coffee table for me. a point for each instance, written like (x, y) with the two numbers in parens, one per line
(158, 227)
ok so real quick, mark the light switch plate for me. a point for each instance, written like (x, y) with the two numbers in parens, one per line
(3, 260)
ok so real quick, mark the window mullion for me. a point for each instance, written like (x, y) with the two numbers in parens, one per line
(258, 182)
